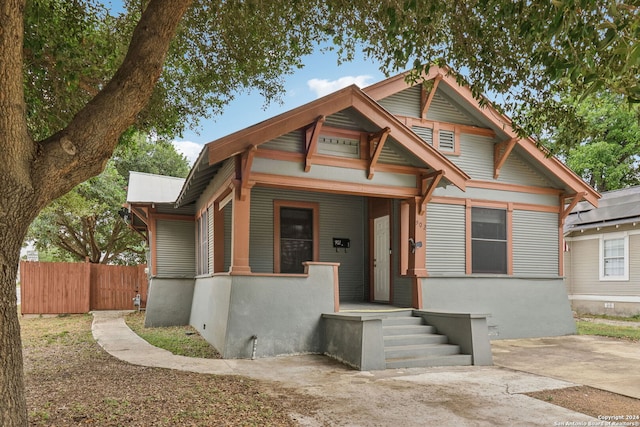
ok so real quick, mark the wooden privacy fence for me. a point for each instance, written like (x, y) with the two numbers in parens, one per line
(64, 287)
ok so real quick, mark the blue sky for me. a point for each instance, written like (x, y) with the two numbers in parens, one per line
(319, 76)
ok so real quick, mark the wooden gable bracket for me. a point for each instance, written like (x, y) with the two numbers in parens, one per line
(501, 151)
(575, 199)
(246, 161)
(426, 98)
(381, 137)
(428, 185)
(312, 135)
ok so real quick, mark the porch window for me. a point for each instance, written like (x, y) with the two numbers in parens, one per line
(296, 235)
(202, 244)
(488, 241)
(614, 258)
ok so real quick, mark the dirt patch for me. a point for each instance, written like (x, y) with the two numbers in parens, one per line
(591, 401)
(71, 381)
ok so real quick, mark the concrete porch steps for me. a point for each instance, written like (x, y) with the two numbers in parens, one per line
(409, 343)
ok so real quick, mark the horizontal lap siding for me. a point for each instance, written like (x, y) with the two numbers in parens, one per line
(535, 243)
(175, 248)
(583, 265)
(444, 109)
(445, 239)
(340, 216)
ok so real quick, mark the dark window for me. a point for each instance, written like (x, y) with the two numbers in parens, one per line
(488, 241)
(296, 239)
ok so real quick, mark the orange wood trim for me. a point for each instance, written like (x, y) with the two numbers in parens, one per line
(340, 132)
(427, 190)
(456, 142)
(566, 211)
(427, 103)
(395, 84)
(467, 235)
(535, 208)
(142, 212)
(247, 163)
(491, 185)
(404, 237)
(277, 205)
(297, 118)
(417, 224)
(327, 186)
(240, 226)
(466, 129)
(381, 137)
(435, 137)
(510, 239)
(312, 136)
(501, 152)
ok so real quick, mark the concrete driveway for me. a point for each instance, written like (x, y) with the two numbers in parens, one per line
(600, 362)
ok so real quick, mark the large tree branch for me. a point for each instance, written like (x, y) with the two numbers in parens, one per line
(81, 150)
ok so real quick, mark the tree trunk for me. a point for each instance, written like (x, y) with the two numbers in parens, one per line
(32, 174)
(13, 408)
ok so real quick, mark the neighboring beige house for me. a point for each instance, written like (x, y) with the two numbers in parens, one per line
(602, 255)
(412, 199)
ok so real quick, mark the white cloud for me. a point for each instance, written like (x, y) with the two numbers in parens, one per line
(323, 86)
(190, 149)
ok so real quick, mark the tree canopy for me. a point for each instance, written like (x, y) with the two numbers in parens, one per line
(85, 223)
(603, 147)
(73, 79)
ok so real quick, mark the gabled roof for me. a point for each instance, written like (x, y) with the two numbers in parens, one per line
(300, 117)
(150, 188)
(497, 120)
(616, 208)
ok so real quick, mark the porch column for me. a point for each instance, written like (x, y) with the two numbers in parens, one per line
(417, 252)
(240, 224)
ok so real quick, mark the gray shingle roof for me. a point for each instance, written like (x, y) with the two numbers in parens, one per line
(615, 207)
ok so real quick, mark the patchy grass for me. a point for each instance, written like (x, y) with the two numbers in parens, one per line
(180, 340)
(71, 381)
(634, 318)
(605, 330)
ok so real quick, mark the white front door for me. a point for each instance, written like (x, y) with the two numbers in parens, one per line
(381, 259)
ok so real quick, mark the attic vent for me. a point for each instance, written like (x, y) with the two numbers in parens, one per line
(425, 133)
(338, 146)
(447, 140)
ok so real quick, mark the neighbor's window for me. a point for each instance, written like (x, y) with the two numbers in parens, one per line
(296, 236)
(488, 241)
(614, 258)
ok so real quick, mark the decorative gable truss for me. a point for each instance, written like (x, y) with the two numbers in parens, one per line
(431, 130)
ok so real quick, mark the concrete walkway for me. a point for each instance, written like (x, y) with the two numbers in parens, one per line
(461, 396)
(600, 362)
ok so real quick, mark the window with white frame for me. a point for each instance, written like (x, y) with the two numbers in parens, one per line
(614, 257)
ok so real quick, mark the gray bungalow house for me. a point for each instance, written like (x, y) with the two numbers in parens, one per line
(602, 258)
(409, 198)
